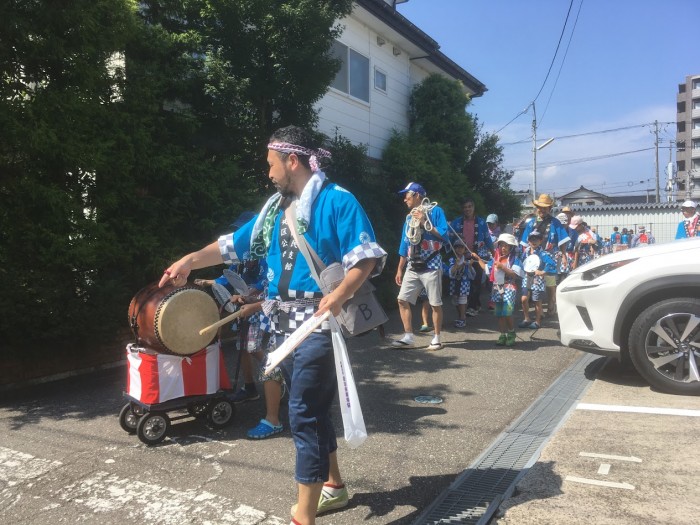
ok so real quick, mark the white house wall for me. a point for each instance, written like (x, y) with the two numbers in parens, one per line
(371, 124)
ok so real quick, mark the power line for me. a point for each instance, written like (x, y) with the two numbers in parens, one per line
(561, 66)
(548, 72)
(587, 133)
(555, 51)
(577, 161)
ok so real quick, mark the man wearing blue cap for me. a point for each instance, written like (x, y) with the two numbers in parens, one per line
(420, 265)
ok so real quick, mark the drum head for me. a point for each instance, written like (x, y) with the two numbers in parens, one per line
(531, 263)
(181, 316)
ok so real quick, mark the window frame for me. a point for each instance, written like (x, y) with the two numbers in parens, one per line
(346, 72)
(380, 71)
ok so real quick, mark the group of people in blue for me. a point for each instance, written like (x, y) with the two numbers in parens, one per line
(283, 292)
(475, 247)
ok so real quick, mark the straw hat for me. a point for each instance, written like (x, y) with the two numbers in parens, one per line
(544, 201)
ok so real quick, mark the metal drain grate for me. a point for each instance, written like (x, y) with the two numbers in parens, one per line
(477, 492)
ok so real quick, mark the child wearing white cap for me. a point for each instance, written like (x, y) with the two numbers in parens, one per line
(505, 272)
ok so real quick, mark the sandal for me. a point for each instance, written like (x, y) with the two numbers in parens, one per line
(264, 430)
(534, 326)
(524, 323)
(425, 328)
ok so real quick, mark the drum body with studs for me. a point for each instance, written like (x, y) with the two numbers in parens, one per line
(168, 319)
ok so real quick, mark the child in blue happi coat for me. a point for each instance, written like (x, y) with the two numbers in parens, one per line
(460, 270)
(534, 288)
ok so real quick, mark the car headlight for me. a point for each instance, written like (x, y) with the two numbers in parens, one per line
(599, 271)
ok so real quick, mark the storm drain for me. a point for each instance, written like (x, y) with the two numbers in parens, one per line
(477, 492)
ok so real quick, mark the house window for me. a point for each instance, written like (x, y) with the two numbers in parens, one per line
(696, 103)
(680, 127)
(353, 77)
(680, 165)
(696, 83)
(696, 124)
(696, 143)
(680, 107)
(695, 165)
(380, 80)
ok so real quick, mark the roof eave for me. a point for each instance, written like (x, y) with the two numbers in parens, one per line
(429, 47)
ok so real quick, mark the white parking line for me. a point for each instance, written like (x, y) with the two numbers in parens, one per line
(612, 484)
(639, 410)
(610, 456)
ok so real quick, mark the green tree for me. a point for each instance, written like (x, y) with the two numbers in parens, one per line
(56, 92)
(446, 151)
(133, 131)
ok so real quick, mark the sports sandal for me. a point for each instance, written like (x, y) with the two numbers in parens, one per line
(425, 328)
(400, 343)
(434, 346)
(328, 502)
(264, 430)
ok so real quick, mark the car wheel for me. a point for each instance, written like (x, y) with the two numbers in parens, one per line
(664, 345)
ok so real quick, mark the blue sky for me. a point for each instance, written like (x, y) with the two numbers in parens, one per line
(622, 69)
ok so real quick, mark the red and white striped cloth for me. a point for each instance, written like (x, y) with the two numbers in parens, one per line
(155, 378)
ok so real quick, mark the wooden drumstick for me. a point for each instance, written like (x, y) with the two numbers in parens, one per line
(220, 322)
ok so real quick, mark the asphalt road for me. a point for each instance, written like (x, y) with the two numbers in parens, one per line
(65, 459)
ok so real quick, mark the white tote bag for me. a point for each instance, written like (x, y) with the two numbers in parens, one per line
(353, 422)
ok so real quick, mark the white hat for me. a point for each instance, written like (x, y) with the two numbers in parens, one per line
(689, 204)
(575, 221)
(507, 238)
(563, 218)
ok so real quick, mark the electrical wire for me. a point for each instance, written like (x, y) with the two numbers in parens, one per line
(561, 66)
(523, 141)
(548, 72)
(577, 161)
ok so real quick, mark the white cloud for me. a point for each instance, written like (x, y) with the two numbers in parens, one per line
(616, 174)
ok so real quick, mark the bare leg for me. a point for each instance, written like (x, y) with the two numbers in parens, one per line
(247, 367)
(273, 398)
(406, 317)
(309, 494)
(526, 308)
(538, 312)
(425, 312)
(551, 299)
(437, 319)
(462, 311)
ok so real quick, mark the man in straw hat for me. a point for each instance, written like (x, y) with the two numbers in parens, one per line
(555, 239)
(689, 226)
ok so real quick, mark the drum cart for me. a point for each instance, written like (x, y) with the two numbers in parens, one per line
(195, 386)
(151, 423)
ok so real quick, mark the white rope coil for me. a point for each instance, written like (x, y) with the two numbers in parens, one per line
(414, 230)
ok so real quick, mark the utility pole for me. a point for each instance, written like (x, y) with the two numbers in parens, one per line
(534, 152)
(656, 146)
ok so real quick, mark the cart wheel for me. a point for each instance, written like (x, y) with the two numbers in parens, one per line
(220, 413)
(128, 419)
(152, 427)
(197, 409)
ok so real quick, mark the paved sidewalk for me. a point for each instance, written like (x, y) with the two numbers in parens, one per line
(610, 465)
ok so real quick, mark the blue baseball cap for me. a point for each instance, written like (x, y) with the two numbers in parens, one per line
(415, 188)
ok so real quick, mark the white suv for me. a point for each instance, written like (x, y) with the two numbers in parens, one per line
(641, 304)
